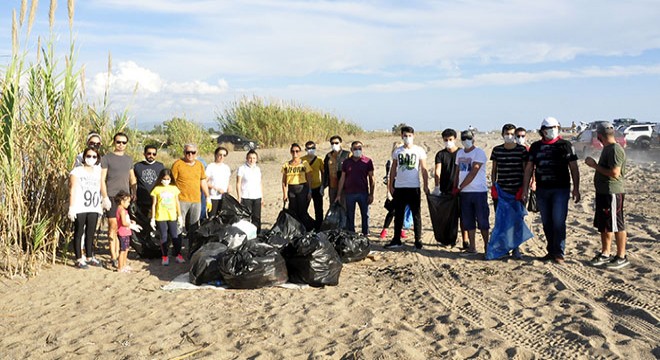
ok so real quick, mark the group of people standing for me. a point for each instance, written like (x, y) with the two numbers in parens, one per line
(546, 169)
(172, 198)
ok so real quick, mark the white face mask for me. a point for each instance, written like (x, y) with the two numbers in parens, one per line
(450, 144)
(551, 133)
(357, 153)
(165, 182)
(311, 152)
(509, 139)
(520, 140)
(90, 161)
(408, 140)
(467, 144)
(336, 147)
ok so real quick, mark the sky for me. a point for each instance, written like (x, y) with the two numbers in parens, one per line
(429, 64)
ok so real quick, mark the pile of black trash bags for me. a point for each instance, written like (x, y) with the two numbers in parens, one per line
(225, 250)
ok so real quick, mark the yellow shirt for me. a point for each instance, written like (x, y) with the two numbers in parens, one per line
(166, 198)
(295, 174)
(188, 179)
(317, 170)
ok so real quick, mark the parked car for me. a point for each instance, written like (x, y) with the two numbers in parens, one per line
(639, 135)
(239, 142)
(587, 144)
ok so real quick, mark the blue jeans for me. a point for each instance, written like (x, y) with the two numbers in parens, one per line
(553, 205)
(362, 200)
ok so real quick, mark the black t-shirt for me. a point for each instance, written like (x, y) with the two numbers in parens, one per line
(551, 161)
(146, 175)
(448, 169)
(510, 166)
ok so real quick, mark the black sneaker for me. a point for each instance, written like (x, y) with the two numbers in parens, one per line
(617, 263)
(393, 245)
(600, 259)
(418, 244)
(548, 257)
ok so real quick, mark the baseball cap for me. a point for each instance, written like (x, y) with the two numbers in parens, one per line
(549, 122)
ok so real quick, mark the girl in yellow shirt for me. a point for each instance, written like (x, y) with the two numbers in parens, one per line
(166, 212)
(296, 177)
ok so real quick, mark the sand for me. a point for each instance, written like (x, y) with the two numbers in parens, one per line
(402, 304)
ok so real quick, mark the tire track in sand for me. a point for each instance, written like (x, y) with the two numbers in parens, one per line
(523, 332)
(585, 281)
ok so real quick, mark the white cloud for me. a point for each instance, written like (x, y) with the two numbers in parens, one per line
(298, 38)
(130, 78)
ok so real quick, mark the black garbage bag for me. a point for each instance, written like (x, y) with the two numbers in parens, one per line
(274, 239)
(252, 265)
(204, 264)
(213, 230)
(311, 259)
(350, 246)
(335, 218)
(231, 211)
(146, 243)
(532, 205)
(203, 232)
(287, 226)
(444, 213)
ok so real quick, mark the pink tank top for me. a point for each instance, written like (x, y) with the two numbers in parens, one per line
(122, 229)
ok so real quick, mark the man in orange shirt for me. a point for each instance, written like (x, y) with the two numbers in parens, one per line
(188, 175)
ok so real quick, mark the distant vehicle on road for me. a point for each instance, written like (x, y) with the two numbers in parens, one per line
(239, 142)
(623, 122)
(587, 144)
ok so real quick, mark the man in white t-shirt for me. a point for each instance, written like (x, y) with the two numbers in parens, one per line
(408, 161)
(472, 187)
(217, 178)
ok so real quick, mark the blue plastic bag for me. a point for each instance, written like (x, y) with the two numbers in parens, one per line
(408, 218)
(510, 228)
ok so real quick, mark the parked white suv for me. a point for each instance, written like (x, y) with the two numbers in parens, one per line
(639, 135)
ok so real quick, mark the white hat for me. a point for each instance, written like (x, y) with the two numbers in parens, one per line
(549, 122)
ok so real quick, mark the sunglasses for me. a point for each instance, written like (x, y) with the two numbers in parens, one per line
(151, 153)
(119, 142)
(91, 157)
(311, 148)
(191, 152)
(295, 151)
(466, 138)
(334, 143)
(357, 148)
(92, 143)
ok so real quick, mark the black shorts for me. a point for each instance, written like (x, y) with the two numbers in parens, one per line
(609, 213)
(112, 213)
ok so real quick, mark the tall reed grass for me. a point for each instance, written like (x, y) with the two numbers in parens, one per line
(280, 124)
(44, 122)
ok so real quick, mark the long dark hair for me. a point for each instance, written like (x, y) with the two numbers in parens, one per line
(163, 173)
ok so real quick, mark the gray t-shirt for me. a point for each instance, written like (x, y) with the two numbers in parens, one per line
(118, 177)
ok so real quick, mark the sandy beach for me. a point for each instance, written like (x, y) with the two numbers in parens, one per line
(400, 304)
